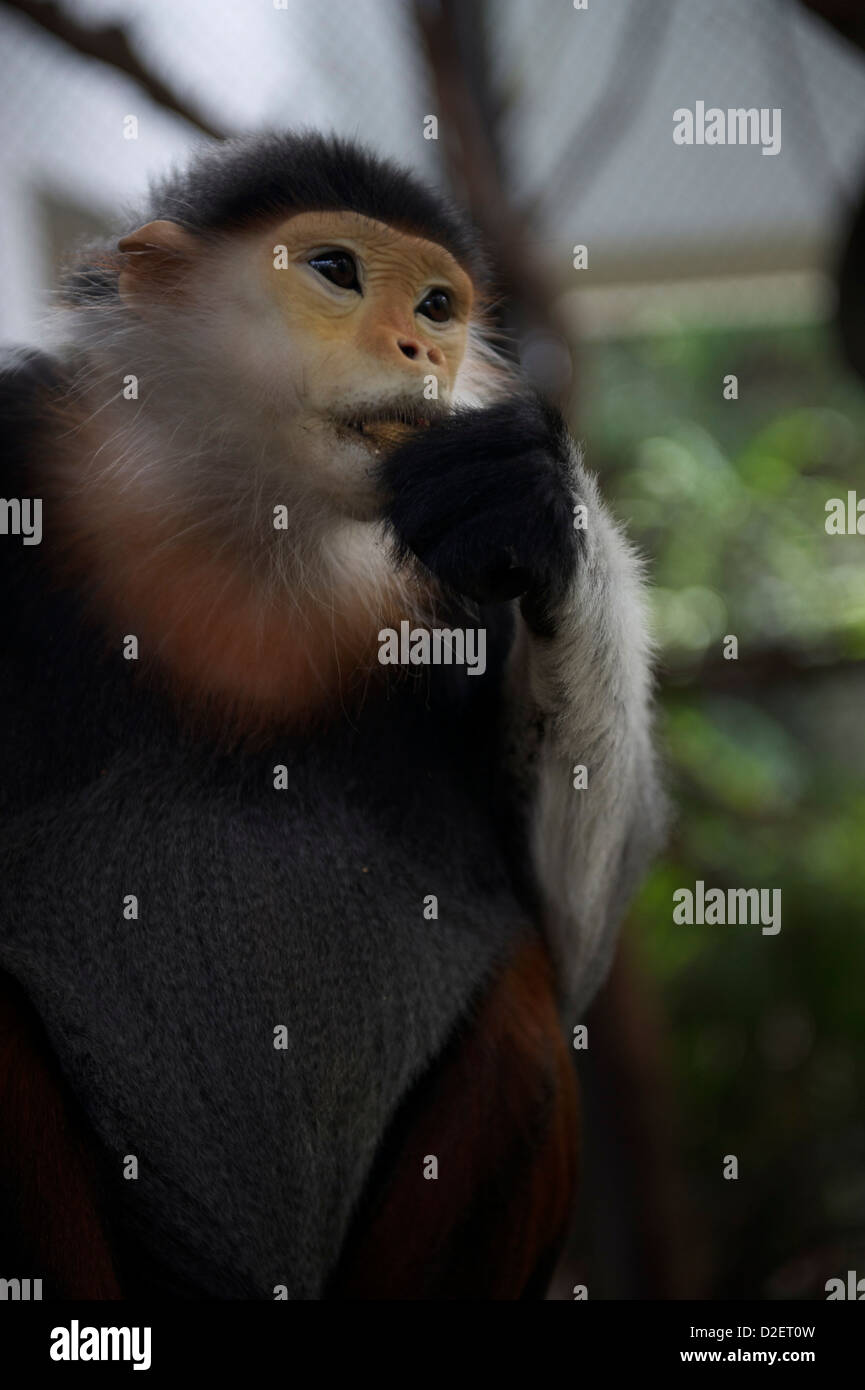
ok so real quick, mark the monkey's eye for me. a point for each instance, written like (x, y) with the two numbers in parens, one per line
(338, 267)
(436, 306)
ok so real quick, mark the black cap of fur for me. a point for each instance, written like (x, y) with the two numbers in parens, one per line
(237, 183)
(275, 175)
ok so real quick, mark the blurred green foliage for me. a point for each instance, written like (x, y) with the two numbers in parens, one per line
(766, 1034)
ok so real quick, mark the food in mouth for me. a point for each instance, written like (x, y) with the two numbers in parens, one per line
(385, 432)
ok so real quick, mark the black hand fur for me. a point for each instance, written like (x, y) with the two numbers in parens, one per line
(483, 499)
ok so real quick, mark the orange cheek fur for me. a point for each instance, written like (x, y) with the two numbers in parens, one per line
(222, 643)
(226, 652)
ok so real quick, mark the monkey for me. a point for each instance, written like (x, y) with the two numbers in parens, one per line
(292, 938)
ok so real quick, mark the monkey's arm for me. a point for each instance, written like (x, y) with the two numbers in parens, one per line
(580, 728)
(52, 1203)
(488, 501)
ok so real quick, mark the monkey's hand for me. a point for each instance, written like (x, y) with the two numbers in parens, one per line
(485, 499)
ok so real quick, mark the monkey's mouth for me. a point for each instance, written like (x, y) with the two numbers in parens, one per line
(383, 429)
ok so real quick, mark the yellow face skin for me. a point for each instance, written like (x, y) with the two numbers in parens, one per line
(377, 339)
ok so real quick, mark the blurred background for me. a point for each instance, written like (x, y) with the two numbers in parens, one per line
(554, 123)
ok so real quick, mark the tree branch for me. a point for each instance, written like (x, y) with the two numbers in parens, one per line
(759, 669)
(452, 32)
(109, 44)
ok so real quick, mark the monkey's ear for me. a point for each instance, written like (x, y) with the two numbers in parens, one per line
(156, 259)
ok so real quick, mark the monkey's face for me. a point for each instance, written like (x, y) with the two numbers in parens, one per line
(377, 315)
(374, 326)
(342, 333)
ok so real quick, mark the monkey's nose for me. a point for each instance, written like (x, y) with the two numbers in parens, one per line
(413, 349)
